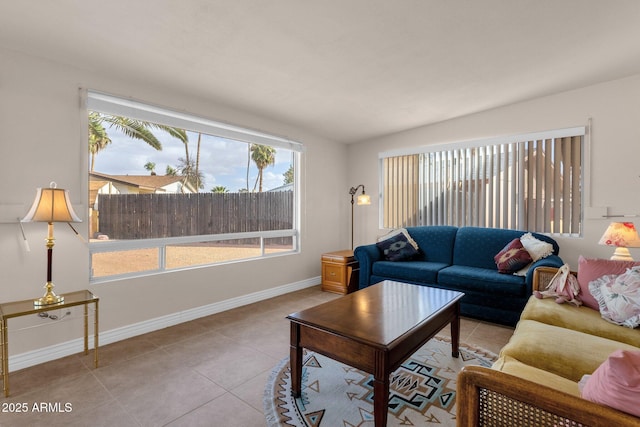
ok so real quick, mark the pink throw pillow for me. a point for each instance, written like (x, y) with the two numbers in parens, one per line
(590, 269)
(616, 383)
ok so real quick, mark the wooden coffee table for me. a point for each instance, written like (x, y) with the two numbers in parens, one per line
(374, 329)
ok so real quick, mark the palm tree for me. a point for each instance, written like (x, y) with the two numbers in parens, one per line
(263, 156)
(219, 189)
(288, 175)
(151, 167)
(136, 129)
(98, 138)
(188, 170)
(198, 174)
(171, 171)
(248, 162)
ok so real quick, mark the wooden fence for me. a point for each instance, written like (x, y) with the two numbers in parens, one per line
(144, 216)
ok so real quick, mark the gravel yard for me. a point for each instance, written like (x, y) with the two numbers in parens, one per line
(112, 263)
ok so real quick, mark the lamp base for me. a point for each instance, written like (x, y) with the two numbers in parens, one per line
(49, 297)
(622, 254)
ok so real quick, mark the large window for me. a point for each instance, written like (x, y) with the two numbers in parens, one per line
(168, 190)
(527, 182)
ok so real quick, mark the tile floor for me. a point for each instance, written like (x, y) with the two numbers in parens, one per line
(185, 375)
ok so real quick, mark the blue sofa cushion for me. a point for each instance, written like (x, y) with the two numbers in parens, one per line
(477, 279)
(414, 271)
(435, 242)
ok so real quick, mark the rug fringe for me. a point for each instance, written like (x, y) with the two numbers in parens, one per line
(268, 403)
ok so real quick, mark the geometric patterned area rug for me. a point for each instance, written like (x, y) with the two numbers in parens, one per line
(422, 390)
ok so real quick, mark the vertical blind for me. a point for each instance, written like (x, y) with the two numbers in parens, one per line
(401, 190)
(532, 182)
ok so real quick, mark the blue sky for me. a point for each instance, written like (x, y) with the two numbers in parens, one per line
(222, 161)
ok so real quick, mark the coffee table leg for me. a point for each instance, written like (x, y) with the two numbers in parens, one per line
(380, 401)
(455, 332)
(295, 360)
(380, 390)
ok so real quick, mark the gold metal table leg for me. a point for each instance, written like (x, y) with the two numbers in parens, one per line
(95, 336)
(5, 357)
(86, 329)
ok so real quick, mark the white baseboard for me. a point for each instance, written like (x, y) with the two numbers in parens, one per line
(46, 354)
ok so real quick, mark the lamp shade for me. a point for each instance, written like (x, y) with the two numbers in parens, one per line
(51, 205)
(621, 234)
(364, 199)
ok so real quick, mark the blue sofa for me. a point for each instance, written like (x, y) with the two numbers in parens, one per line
(460, 259)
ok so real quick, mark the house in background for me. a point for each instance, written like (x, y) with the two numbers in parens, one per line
(102, 183)
(285, 187)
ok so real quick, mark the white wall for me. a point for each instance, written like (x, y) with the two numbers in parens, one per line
(43, 138)
(614, 108)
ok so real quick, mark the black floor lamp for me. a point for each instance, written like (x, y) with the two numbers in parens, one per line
(363, 199)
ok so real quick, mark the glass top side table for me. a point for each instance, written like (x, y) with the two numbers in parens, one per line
(26, 307)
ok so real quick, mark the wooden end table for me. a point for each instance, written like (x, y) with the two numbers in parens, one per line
(374, 329)
(339, 272)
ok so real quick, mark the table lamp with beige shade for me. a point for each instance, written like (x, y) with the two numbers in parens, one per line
(50, 205)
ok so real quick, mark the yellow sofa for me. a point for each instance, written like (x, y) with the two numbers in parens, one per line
(551, 349)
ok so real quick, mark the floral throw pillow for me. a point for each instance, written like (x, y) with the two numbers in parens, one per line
(512, 257)
(618, 297)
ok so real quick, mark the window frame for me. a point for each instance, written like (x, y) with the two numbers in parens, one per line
(113, 105)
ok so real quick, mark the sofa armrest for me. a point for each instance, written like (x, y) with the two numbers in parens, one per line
(542, 277)
(489, 397)
(553, 261)
(366, 256)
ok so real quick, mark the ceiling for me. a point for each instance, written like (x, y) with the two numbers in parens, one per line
(348, 70)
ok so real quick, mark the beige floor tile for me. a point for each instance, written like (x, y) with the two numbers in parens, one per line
(107, 415)
(249, 332)
(197, 350)
(59, 404)
(119, 351)
(248, 363)
(276, 347)
(467, 326)
(177, 333)
(493, 337)
(46, 375)
(227, 410)
(159, 400)
(120, 377)
(252, 391)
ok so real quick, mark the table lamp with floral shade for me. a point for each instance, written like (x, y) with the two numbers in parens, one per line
(621, 235)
